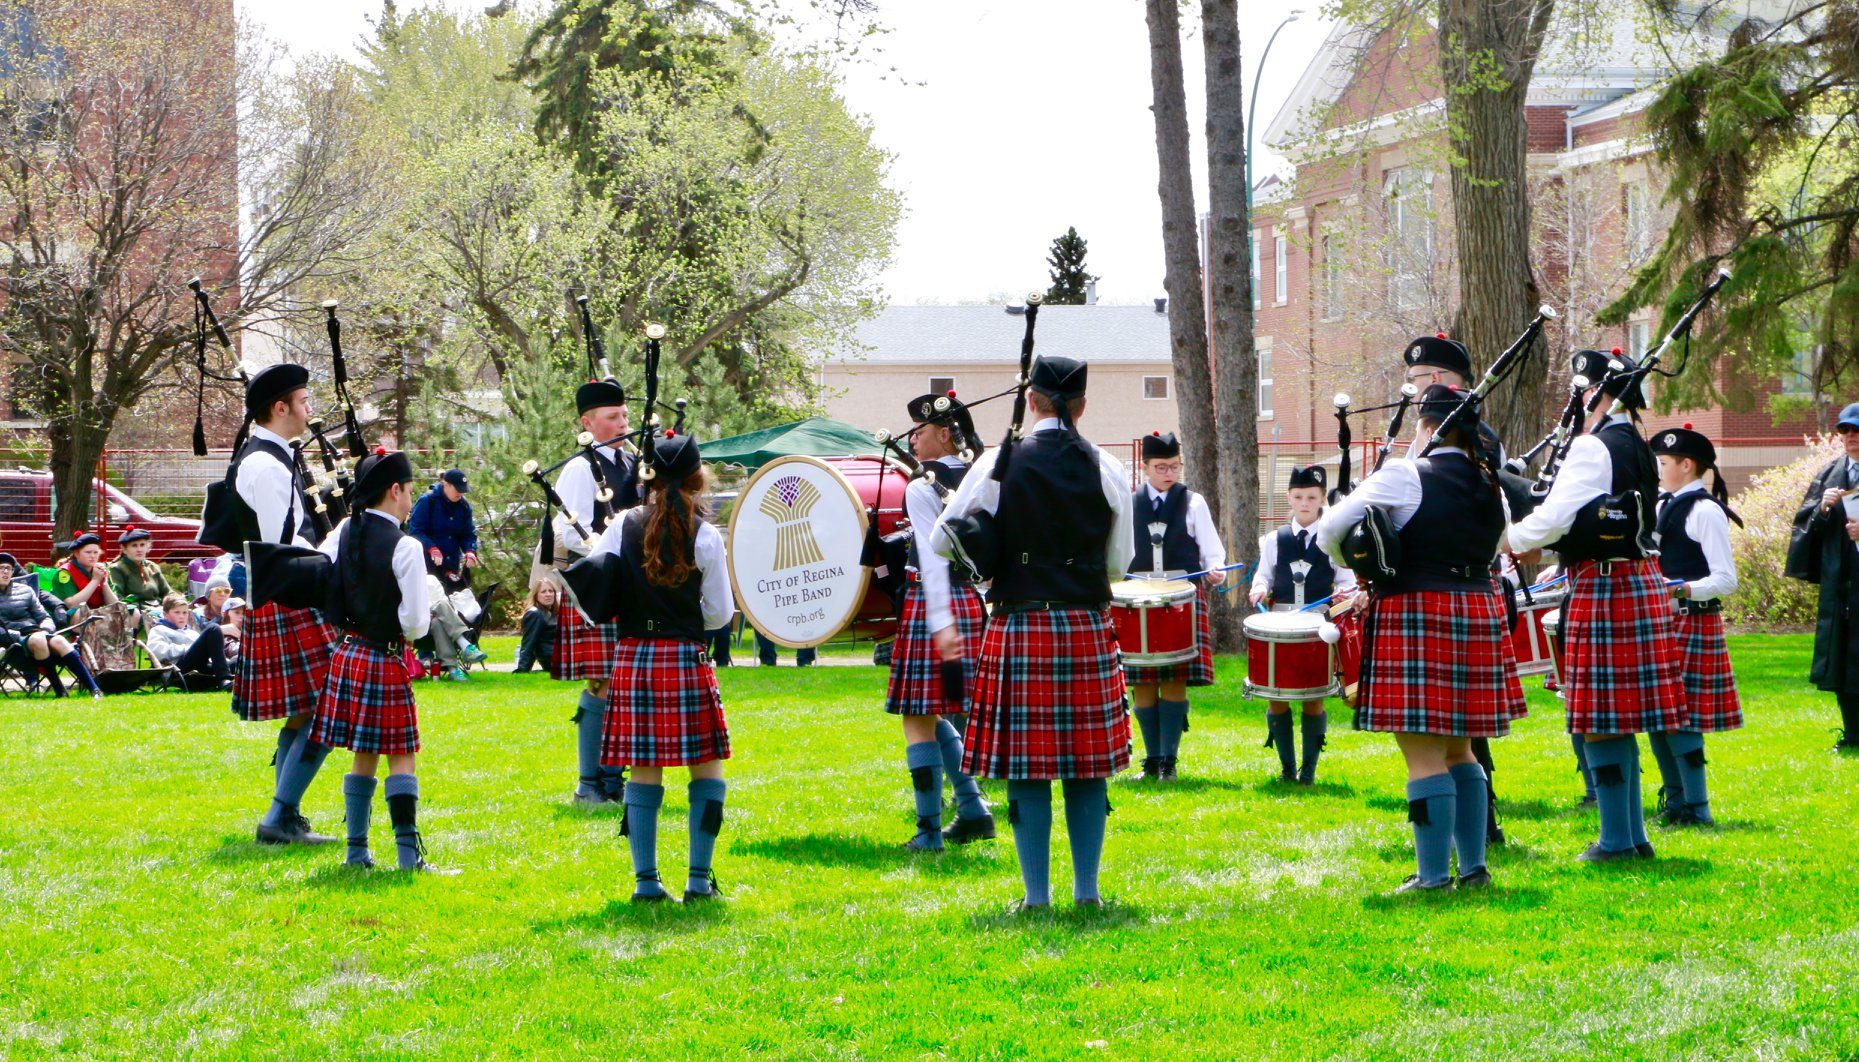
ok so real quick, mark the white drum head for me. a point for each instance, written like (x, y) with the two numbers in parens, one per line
(795, 541)
(1140, 593)
(1284, 626)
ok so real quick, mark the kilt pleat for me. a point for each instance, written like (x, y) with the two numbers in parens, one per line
(1619, 650)
(367, 705)
(1711, 703)
(582, 651)
(283, 663)
(663, 707)
(915, 686)
(1048, 698)
(1440, 663)
(1196, 672)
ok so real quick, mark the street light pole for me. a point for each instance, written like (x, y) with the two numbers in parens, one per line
(1252, 105)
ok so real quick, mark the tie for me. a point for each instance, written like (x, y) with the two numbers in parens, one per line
(1665, 496)
(1155, 504)
(1302, 545)
(1851, 478)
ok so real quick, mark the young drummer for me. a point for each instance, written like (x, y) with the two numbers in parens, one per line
(595, 487)
(1437, 669)
(1049, 693)
(380, 603)
(939, 627)
(1174, 532)
(1693, 532)
(1293, 572)
(1619, 659)
(668, 575)
(284, 655)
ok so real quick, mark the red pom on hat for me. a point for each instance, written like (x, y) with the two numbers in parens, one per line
(1157, 433)
(1687, 425)
(380, 451)
(669, 434)
(1616, 350)
(128, 528)
(1439, 335)
(951, 392)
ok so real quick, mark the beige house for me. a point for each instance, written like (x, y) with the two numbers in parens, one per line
(908, 351)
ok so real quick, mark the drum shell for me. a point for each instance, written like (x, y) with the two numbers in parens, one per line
(1348, 650)
(1155, 622)
(1552, 624)
(1528, 639)
(1287, 661)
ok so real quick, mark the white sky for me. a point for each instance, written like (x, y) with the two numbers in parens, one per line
(1009, 120)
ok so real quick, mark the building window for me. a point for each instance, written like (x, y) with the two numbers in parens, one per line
(1639, 336)
(1409, 194)
(1253, 248)
(941, 385)
(1281, 285)
(1798, 380)
(1155, 387)
(1634, 205)
(1332, 278)
(1264, 347)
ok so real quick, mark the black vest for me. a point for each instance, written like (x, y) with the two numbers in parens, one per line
(1449, 542)
(1680, 555)
(366, 600)
(1635, 468)
(1055, 524)
(648, 610)
(1180, 553)
(1319, 582)
(289, 459)
(616, 476)
(943, 479)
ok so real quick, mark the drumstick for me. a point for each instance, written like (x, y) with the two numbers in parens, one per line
(1210, 571)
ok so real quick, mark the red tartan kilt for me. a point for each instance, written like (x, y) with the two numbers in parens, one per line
(1711, 703)
(663, 708)
(1619, 651)
(582, 652)
(367, 705)
(1438, 663)
(283, 664)
(916, 667)
(1048, 699)
(1196, 672)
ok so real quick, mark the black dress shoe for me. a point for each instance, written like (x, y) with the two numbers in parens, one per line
(962, 831)
(1021, 907)
(1152, 767)
(1477, 879)
(658, 893)
(1168, 769)
(1594, 853)
(1643, 851)
(1287, 776)
(715, 892)
(1413, 884)
(293, 830)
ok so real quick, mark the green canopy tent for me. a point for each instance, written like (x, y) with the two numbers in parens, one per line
(814, 437)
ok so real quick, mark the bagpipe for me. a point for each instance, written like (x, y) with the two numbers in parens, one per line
(1345, 438)
(976, 536)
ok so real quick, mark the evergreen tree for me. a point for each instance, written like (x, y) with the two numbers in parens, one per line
(1068, 275)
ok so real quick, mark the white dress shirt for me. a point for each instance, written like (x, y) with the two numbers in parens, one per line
(1200, 526)
(415, 612)
(1587, 473)
(264, 483)
(923, 504)
(1395, 488)
(577, 487)
(1344, 579)
(716, 601)
(979, 493)
(1707, 525)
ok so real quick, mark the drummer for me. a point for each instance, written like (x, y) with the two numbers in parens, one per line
(1437, 669)
(1175, 533)
(1295, 572)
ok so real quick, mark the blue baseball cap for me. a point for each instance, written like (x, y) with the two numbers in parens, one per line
(456, 477)
(1849, 417)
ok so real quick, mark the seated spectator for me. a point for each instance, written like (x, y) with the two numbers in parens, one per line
(446, 530)
(137, 581)
(80, 579)
(215, 608)
(451, 635)
(24, 622)
(174, 640)
(539, 625)
(232, 625)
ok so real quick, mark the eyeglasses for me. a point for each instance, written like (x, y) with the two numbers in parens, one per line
(1430, 375)
(1166, 467)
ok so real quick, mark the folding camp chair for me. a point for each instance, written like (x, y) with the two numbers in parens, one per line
(425, 648)
(117, 658)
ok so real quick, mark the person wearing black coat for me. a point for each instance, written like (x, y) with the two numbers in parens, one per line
(1824, 549)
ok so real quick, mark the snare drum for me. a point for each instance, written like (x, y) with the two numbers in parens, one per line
(1155, 620)
(1552, 626)
(1348, 650)
(1528, 640)
(1287, 658)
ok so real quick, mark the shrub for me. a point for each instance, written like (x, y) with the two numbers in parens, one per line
(1764, 596)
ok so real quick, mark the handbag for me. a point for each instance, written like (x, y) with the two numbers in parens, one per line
(1372, 548)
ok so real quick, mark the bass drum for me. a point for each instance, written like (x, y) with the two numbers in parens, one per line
(879, 483)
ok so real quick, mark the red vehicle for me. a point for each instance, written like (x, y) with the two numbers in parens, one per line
(26, 521)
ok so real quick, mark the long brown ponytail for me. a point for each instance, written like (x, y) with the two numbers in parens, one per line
(671, 519)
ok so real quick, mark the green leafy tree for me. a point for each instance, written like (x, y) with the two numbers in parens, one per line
(1067, 270)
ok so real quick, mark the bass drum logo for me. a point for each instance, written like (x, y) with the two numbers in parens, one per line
(789, 505)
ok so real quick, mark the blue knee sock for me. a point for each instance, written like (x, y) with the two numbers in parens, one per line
(1615, 763)
(75, 664)
(1315, 729)
(358, 798)
(1432, 806)
(1468, 830)
(1087, 805)
(1688, 753)
(1029, 808)
(924, 758)
(306, 758)
(1174, 720)
(1580, 744)
(642, 804)
(1149, 721)
(590, 718)
(403, 798)
(969, 803)
(1278, 732)
(1670, 782)
(287, 740)
(1636, 797)
(706, 796)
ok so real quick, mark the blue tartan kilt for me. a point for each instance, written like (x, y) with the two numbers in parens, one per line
(1619, 650)
(915, 687)
(367, 705)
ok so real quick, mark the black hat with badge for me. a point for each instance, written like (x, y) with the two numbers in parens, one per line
(1684, 442)
(1438, 352)
(273, 384)
(597, 394)
(943, 410)
(1307, 476)
(1624, 384)
(1159, 445)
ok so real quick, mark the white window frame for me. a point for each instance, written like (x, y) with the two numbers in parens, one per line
(1167, 389)
(1252, 242)
(1798, 380)
(1639, 337)
(1635, 208)
(1281, 272)
(1409, 264)
(1262, 350)
(1332, 278)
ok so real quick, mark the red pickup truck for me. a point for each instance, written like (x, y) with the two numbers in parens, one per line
(26, 521)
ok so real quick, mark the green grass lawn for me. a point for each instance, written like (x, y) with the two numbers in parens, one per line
(137, 916)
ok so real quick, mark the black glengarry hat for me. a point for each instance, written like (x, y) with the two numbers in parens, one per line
(1307, 476)
(675, 456)
(1436, 351)
(596, 394)
(379, 471)
(1684, 442)
(1157, 445)
(952, 413)
(271, 384)
(1438, 401)
(1057, 376)
(1625, 385)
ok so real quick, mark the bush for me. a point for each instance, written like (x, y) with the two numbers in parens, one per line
(1764, 596)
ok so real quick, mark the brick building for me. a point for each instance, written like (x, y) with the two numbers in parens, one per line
(1353, 253)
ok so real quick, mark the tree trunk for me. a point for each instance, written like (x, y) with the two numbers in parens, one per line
(1181, 279)
(77, 447)
(1488, 51)
(1235, 369)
